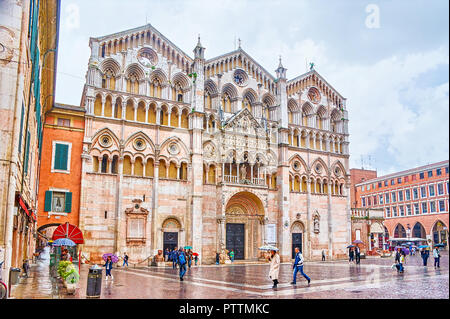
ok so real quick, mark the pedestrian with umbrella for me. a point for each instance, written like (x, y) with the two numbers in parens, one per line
(195, 258)
(437, 256)
(357, 251)
(274, 269)
(425, 253)
(108, 264)
(351, 253)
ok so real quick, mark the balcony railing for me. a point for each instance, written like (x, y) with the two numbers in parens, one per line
(236, 180)
(367, 213)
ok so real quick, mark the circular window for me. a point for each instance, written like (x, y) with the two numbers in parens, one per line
(314, 95)
(318, 168)
(337, 171)
(139, 144)
(296, 165)
(147, 57)
(173, 149)
(105, 141)
(240, 77)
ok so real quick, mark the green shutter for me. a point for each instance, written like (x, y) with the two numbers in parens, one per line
(21, 128)
(48, 201)
(61, 156)
(27, 148)
(68, 207)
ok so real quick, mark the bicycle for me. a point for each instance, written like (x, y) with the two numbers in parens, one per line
(3, 287)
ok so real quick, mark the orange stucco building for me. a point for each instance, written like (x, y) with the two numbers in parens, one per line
(60, 172)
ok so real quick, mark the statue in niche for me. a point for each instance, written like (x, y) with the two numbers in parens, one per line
(316, 225)
(243, 172)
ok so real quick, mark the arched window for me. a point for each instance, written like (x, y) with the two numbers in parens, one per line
(114, 164)
(104, 164)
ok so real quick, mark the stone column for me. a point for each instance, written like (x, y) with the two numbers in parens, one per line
(283, 198)
(155, 205)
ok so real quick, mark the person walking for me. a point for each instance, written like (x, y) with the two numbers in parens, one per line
(174, 258)
(217, 258)
(189, 258)
(125, 259)
(437, 257)
(166, 254)
(357, 255)
(274, 269)
(196, 259)
(182, 263)
(397, 256)
(425, 256)
(323, 255)
(108, 266)
(298, 266)
(232, 255)
(26, 268)
(351, 254)
(402, 262)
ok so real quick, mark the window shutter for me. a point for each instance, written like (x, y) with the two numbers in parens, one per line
(68, 207)
(61, 153)
(21, 128)
(27, 148)
(48, 201)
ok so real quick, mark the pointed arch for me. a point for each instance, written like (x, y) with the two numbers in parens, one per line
(211, 87)
(307, 108)
(105, 131)
(110, 64)
(324, 166)
(142, 135)
(293, 105)
(182, 79)
(230, 89)
(159, 75)
(136, 69)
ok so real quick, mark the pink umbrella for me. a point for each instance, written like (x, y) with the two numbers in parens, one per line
(114, 258)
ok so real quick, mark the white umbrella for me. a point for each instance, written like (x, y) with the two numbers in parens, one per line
(268, 247)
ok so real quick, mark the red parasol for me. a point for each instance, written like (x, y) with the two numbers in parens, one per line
(68, 231)
(195, 254)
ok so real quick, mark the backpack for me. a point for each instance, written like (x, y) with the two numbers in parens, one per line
(181, 259)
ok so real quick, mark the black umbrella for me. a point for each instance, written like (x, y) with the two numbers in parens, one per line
(350, 246)
(439, 245)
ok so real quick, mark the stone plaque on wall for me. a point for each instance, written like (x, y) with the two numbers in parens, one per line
(271, 233)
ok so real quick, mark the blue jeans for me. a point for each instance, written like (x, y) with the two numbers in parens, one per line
(297, 269)
(189, 263)
(401, 267)
(232, 258)
(125, 263)
(437, 262)
(174, 264)
(108, 272)
(182, 270)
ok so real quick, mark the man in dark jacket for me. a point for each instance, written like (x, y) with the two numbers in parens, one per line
(298, 266)
(357, 255)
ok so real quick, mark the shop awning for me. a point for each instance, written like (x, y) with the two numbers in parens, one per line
(68, 231)
(25, 207)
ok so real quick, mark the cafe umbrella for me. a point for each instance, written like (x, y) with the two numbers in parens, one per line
(64, 242)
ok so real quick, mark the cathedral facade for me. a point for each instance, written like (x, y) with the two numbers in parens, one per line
(210, 153)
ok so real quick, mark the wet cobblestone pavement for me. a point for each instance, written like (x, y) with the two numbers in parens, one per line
(372, 279)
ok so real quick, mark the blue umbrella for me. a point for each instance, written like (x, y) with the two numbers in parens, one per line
(423, 246)
(439, 245)
(64, 242)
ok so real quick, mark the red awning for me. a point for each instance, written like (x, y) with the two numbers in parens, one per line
(23, 205)
(68, 231)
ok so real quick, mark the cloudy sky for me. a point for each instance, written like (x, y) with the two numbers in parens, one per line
(388, 58)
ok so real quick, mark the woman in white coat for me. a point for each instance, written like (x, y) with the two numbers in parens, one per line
(274, 267)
